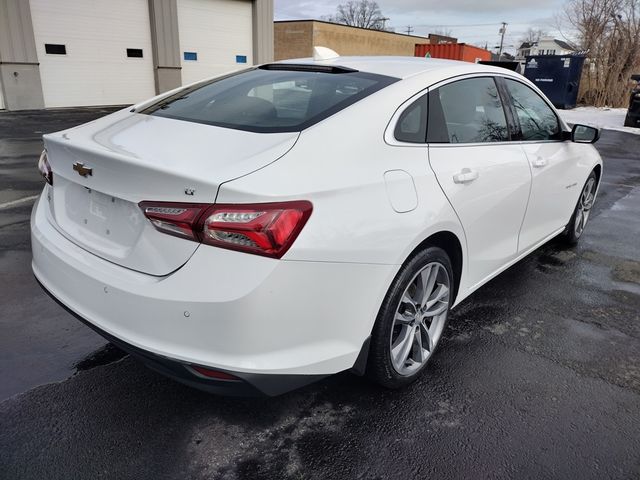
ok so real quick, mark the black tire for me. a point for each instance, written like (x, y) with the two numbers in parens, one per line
(571, 234)
(380, 368)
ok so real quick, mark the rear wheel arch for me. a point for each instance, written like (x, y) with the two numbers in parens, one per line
(450, 243)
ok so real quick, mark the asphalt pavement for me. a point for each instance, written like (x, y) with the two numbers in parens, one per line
(537, 375)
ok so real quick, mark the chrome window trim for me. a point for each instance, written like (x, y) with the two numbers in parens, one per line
(389, 133)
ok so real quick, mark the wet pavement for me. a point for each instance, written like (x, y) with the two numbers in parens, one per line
(537, 376)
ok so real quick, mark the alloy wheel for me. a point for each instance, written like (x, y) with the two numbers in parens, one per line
(420, 318)
(584, 206)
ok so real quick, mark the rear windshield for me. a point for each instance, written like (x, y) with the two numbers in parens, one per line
(271, 100)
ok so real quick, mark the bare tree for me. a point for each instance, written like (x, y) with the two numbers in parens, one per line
(360, 13)
(609, 30)
(532, 35)
(443, 32)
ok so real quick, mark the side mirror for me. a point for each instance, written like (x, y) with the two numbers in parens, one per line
(584, 134)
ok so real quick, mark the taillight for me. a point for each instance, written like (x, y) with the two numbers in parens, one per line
(177, 219)
(45, 168)
(267, 229)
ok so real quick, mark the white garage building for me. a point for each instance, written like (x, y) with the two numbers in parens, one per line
(66, 53)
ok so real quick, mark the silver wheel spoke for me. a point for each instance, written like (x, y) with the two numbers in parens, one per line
(407, 299)
(403, 349)
(579, 216)
(429, 276)
(427, 336)
(401, 319)
(420, 356)
(441, 294)
(437, 309)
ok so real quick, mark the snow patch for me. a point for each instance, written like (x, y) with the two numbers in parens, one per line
(605, 118)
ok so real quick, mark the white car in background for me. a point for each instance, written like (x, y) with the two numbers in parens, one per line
(258, 231)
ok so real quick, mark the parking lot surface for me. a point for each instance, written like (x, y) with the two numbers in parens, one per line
(537, 376)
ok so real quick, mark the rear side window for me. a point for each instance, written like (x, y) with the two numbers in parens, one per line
(412, 124)
(283, 99)
(537, 120)
(467, 111)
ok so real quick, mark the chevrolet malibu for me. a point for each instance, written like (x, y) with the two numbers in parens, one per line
(255, 232)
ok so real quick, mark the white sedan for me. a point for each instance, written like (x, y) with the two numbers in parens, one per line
(258, 231)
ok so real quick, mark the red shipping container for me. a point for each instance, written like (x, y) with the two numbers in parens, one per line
(453, 51)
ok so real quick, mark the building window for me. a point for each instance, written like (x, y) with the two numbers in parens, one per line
(55, 49)
(241, 59)
(134, 52)
(191, 56)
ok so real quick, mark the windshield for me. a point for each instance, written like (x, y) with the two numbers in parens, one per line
(271, 100)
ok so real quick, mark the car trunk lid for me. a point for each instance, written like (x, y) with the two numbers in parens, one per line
(102, 170)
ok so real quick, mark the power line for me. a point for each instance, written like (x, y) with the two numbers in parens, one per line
(469, 25)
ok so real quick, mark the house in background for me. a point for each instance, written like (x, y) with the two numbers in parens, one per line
(545, 46)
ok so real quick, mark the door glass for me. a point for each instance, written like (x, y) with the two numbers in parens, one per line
(537, 120)
(467, 111)
(412, 124)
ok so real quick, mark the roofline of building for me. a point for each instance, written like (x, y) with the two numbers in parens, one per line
(561, 43)
(350, 26)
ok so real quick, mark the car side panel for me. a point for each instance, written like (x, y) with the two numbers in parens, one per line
(340, 165)
(491, 207)
(559, 171)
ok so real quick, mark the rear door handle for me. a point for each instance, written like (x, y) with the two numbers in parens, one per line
(466, 175)
(539, 162)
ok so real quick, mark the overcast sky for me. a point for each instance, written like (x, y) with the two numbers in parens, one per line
(472, 21)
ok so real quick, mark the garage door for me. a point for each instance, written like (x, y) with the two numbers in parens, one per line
(93, 52)
(215, 37)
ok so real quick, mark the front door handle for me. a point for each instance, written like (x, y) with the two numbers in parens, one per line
(539, 162)
(466, 175)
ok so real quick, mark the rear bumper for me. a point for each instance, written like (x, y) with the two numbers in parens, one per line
(248, 385)
(269, 322)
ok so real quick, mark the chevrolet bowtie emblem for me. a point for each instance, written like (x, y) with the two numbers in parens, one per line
(82, 170)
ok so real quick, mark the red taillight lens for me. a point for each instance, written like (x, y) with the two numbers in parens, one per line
(267, 229)
(177, 219)
(45, 168)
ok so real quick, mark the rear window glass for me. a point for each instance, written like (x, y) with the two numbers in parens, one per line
(263, 100)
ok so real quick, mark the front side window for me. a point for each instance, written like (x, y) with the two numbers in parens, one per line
(537, 120)
(467, 111)
(286, 98)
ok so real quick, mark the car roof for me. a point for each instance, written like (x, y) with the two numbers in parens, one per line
(399, 67)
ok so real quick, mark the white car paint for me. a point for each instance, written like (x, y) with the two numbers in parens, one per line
(375, 200)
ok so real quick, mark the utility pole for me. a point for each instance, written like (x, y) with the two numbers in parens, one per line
(502, 31)
(409, 30)
(384, 22)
